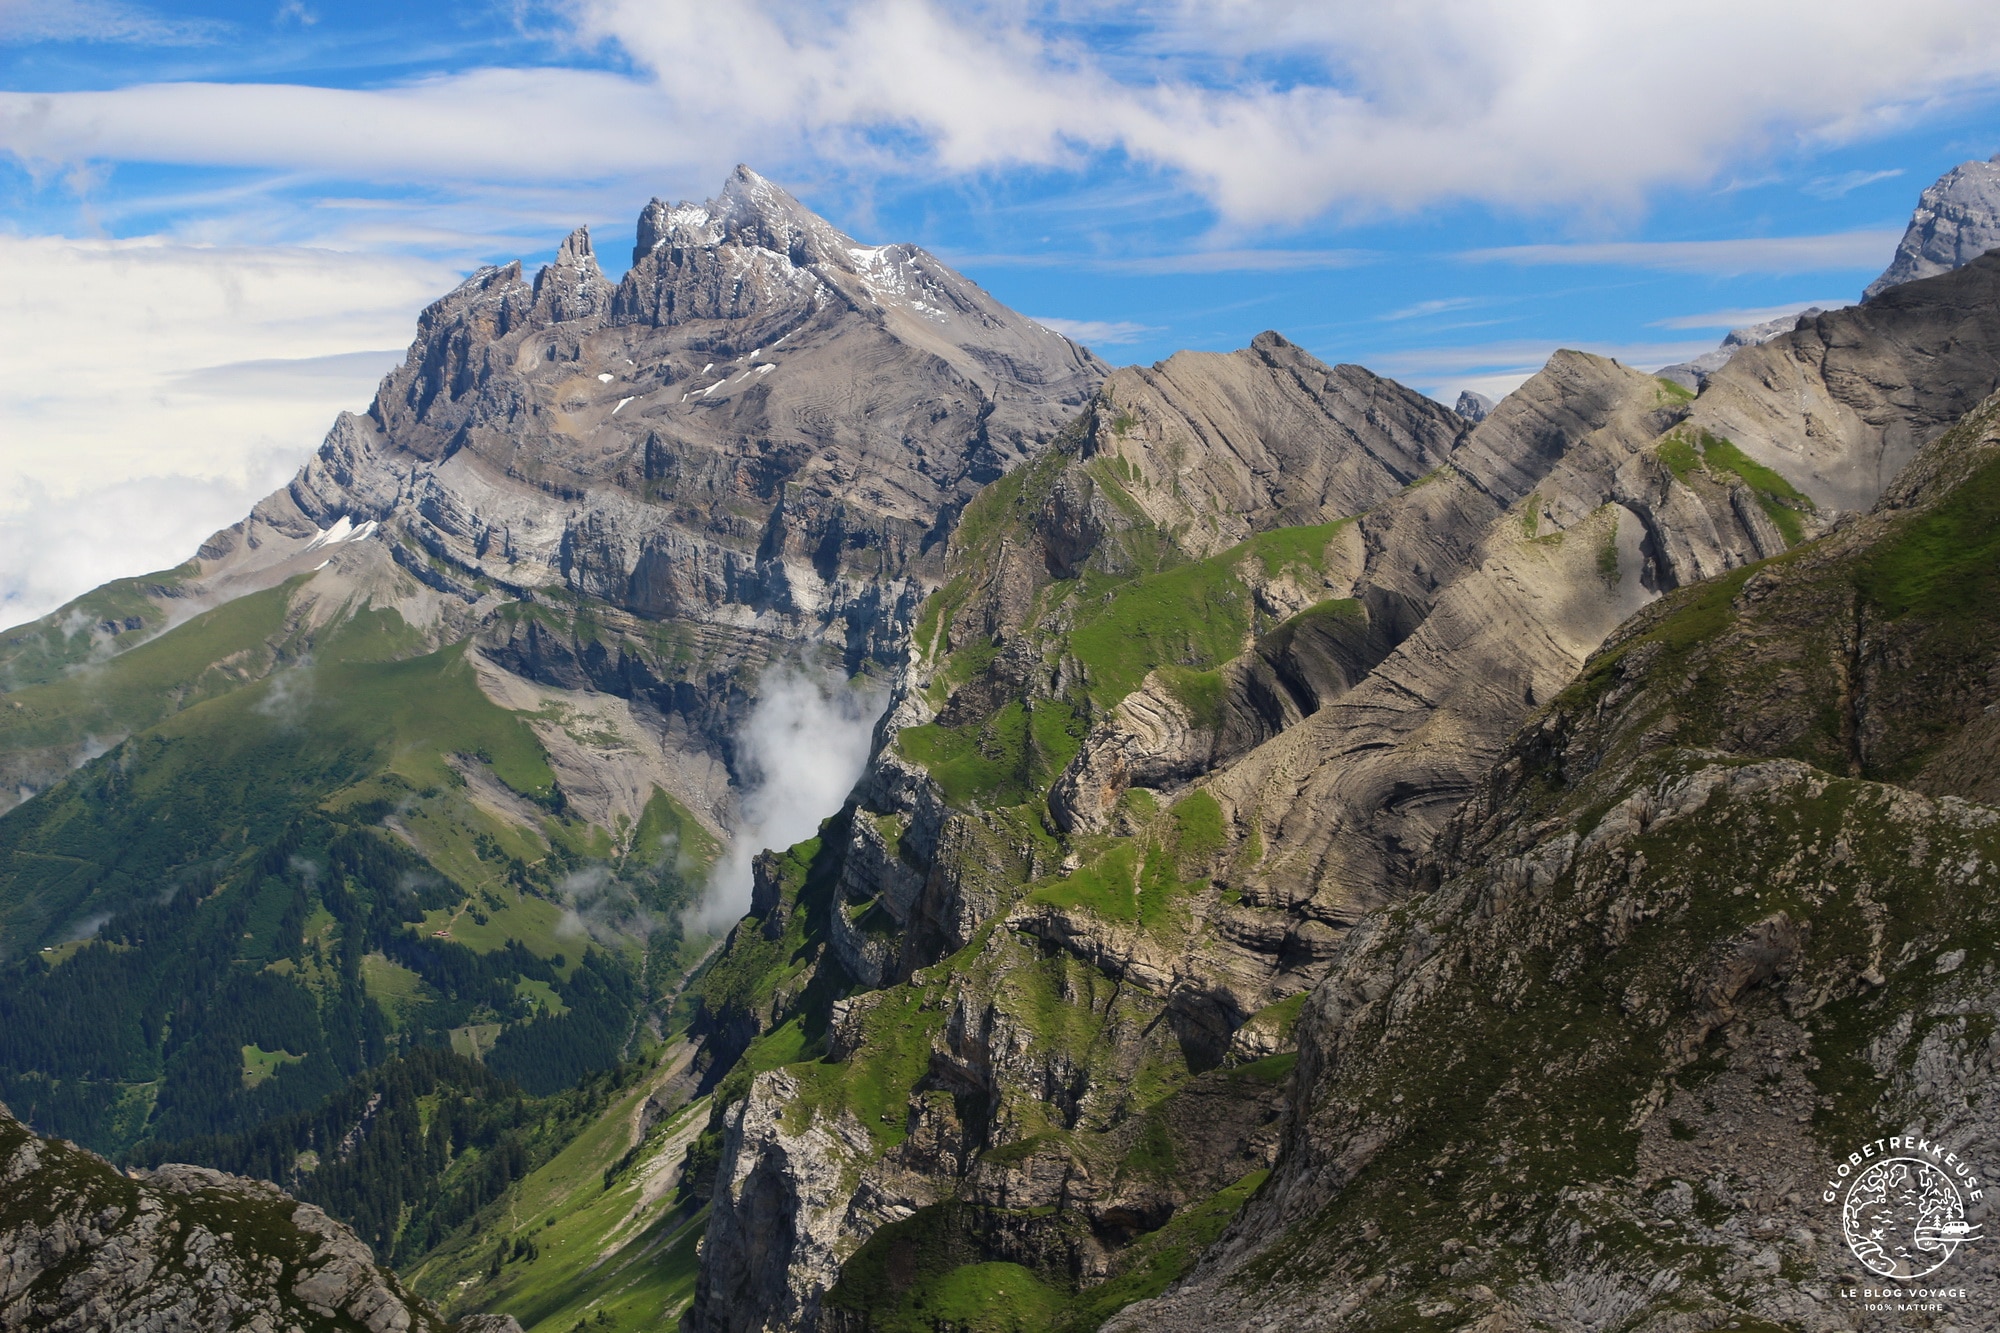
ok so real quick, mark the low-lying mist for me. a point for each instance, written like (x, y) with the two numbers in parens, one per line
(801, 752)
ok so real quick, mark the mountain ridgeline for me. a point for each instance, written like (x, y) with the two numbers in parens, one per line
(1328, 861)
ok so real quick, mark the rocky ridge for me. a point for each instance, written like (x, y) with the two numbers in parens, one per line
(1957, 219)
(1695, 939)
(1161, 749)
(1691, 375)
(85, 1247)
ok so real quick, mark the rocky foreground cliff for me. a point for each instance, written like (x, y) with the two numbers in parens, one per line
(85, 1247)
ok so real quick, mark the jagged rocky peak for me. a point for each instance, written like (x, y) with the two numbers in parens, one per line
(763, 433)
(1474, 407)
(1956, 220)
(750, 211)
(573, 287)
(775, 403)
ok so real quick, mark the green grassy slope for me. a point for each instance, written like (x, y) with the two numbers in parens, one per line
(94, 627)
(597, 1237)
(284, 877)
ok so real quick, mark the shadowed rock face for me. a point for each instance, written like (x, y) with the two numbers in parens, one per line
(1841, 404)
(1635, 1022)
(1956, 220)
(84, 1248)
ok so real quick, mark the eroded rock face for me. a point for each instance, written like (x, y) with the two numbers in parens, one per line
(1637, 1021)
(1956, 221)
(750, 447)
(1082, 935)
(1692, 375)
(1843, 403)
(84, 1249)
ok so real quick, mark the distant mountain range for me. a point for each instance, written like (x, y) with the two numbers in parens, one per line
(1329, 860)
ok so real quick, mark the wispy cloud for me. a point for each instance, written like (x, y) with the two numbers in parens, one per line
(220, 373)
(1425, 309)
(1832, 252)
(1497, 368)
(288, 377)
(1194, 261)
(1096, 330)
(1736, 319)
(99, 21)
(1240, 261)
(1847, 182)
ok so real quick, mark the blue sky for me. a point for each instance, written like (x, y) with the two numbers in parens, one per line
(219, 217)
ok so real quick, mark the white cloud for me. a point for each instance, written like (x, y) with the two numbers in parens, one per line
(150, 391)
(1095, 330)
(1858, 250)
(485, 125)
(1425, 309)
(799, 754)
(1847, 182)
(1737, 319)
(1537, 105)
(54, 547)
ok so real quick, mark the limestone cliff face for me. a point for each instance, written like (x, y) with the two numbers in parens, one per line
(1957, 219)
(1721, 916)
(1181, 730)
(1840, 405)
(84, 1248)
(750, 446)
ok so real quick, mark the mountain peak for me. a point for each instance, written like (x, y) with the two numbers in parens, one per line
(575, 251)
(750, 210)
(1956, 220)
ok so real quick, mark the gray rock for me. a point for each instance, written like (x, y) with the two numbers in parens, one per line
(1956, 220)
(1694, 374)
(760, 435)
(1473, 406)
(85, 1248)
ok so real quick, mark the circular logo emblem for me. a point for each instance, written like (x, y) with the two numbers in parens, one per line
(1904, 1217)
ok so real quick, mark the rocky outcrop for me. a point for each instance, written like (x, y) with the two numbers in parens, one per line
(1956, 221)
(1692, 375)
(1655, 908)
(781, 1210)
(84, 1248)
(1843, 403)
(1473, 406)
